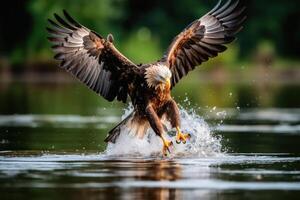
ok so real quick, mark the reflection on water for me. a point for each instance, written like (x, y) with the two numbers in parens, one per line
(100, 176)
(51, 146)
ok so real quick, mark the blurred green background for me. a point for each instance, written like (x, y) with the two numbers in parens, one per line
(271, 29)
(260, 69)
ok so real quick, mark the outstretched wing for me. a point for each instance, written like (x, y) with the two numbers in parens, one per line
(204, 38)
(91, 59)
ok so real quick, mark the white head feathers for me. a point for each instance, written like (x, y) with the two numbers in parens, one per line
(157, 74)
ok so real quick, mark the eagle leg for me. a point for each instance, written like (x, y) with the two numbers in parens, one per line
(174, 118)
(158, 128)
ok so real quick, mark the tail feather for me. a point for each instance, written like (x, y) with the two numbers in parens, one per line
(114, 133)
(136, 126)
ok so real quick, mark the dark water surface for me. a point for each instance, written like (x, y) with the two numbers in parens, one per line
(51, 146)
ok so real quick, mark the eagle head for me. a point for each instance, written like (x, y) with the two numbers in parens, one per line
(158, 76)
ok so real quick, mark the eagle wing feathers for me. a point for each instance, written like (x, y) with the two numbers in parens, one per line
(90, 58)
(204, 38)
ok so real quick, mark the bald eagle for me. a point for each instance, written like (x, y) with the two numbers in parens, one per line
(97, 63)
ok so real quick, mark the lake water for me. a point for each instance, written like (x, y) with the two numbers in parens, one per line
(245, 144)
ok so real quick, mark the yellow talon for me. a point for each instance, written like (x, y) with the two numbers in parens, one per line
(166, 146)
(180, 137)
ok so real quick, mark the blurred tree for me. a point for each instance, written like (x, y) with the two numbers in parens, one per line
(275, 21)
(137, 23)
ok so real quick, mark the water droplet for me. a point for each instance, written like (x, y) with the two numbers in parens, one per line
(221, 114)
(258, 177)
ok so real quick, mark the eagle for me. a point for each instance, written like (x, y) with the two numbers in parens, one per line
(96, 62)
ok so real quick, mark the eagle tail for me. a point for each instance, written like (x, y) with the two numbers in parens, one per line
(135, 125)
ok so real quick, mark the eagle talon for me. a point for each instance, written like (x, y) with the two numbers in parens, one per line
(180, 137)
(166, 146)
(166, 150)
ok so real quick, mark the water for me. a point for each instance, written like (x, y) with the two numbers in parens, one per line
(51, 147)
(201, 143)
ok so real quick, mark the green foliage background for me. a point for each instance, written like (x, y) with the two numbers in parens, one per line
(144, 29)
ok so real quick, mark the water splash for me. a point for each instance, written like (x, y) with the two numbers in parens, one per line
(201, 144)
